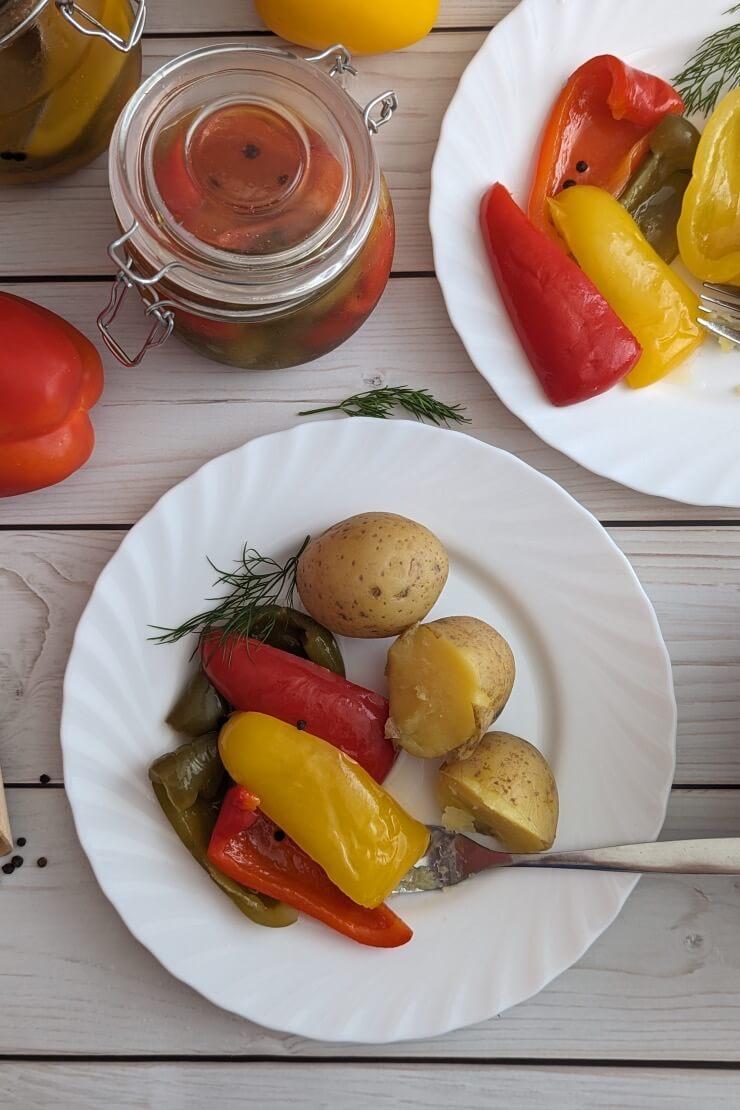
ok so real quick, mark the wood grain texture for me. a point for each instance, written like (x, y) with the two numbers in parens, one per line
(68, 225)
(692, 575)
(160, 421)
(36, 1086)
(167, 16)
(663, 983)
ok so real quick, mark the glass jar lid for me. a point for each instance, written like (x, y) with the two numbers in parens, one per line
(244, 178)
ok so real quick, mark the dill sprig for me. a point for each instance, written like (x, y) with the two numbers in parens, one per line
(257, 583)
(714, 67)
(381, 402)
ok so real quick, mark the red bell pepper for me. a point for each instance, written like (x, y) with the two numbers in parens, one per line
(249, 848)
(50, 375)
(257, 677)
(598, 130)
(577, 345)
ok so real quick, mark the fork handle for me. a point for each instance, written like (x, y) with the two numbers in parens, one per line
(679, 857)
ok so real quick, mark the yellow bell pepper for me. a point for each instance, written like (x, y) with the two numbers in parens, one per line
(363, 26)
(709, 226)
(650, 299)
(326, 802)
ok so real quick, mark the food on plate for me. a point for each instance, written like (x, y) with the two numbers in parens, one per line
(577, 345)
(654, 193)
(194, 826)
(713, 68)
(709, 227)
(651, 299)
(598, 130)
(448, 681)
(506, 785)
(363, 26)
(251, 849)
(199, 708)
(50, 376)
(193, 770)
(255, 676)
(372, 575)
(326, 802)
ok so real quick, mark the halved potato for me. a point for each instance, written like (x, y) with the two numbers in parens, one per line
(448, 681)
(508, 788)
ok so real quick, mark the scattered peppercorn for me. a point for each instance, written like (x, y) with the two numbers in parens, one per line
(301, 725)
(44, 779)
(279, 834)
(8, 868)
(41, 861)
(17, 861)
(21, 841)
(581, 166)
(251, 150)
(569, 183)
(283, 179)
(215, 182)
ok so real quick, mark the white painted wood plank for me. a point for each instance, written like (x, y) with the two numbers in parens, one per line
(239, 15)
(36, 1086)
(662, 984)
(160, 421)
(64, 228)
(691, 574)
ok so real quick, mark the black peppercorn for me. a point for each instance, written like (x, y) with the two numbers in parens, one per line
(283, 179)
(44, 779)
(300, 725)
(279, 834)
(569, 183)
(21, 841)
(41, 861)
(251, 150)
(17, 861)
(8, 869)
(581, 166)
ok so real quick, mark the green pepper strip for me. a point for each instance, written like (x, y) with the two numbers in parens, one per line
(284, 627)
(194, 827)
(654, 193)
(199, 709)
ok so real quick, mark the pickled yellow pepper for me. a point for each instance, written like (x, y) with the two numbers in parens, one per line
(326, 802)
(648, 296)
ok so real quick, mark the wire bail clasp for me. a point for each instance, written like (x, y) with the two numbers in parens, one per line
(388, 103)
(342, 60)
(88, 25)
(159, 310)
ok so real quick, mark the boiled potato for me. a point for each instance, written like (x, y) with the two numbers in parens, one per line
(372, 575)
(507, 787)
(448, 681)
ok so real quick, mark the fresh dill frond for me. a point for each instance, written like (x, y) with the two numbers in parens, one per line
(714, 68)
(381, 402)
(258, 584)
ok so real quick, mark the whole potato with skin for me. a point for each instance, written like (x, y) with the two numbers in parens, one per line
(372, 575)
(506, 785)
(447, 682)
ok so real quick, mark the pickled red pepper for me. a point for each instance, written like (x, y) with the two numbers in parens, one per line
(577, 345)
(598, 131)
(251, 850)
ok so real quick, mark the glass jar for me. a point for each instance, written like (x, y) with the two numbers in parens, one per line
(255, 221)
(65, 74)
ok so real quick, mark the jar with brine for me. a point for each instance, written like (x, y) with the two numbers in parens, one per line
(255, 222)
(66, 72)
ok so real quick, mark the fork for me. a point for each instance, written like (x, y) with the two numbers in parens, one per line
(719, 311)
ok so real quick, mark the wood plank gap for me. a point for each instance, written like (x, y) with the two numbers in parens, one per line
(396, 1061)
(72, 279)
(126, 527)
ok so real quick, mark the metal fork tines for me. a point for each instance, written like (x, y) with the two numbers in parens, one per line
(719, 311)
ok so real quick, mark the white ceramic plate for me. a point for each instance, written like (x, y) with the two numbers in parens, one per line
(593, 691)
(676, 439)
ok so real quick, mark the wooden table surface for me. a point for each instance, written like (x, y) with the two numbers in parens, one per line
(651, 1015)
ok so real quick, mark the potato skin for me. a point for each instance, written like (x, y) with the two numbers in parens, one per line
(372, 575)
(508, 787)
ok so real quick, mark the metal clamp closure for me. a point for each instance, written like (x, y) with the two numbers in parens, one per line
(164, 321)
(388, 103)
(88, 25)
(342, 60)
